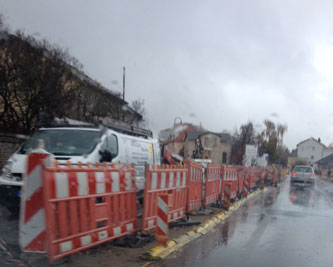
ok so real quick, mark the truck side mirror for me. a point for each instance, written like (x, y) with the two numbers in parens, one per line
(106, 156)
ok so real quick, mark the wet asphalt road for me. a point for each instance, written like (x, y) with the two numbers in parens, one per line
(283, 227)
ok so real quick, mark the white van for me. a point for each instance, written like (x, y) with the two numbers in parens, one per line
(82, 144)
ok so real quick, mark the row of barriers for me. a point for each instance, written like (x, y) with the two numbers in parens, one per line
(71, 208)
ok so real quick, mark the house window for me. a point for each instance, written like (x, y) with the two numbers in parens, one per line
(215, 141)
(206, 141)
(224, 157)
(312, 157)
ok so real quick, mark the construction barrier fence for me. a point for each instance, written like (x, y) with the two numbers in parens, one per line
(212, 184)
(87, 206)
(229, 178)
(165, 179)
(195, 185)
(71, 208)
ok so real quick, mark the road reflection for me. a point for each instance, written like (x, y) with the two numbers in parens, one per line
(300, 196)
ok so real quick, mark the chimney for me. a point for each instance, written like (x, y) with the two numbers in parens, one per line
(319, 140)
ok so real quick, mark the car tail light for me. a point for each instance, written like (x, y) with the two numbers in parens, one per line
(293, 174)
(312, 175)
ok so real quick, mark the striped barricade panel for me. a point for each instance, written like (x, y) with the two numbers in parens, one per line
(195, 185)
(32, 229)
(240, 174)
(262, 179)
(87, 206)
(230, 178)
(252, 178)
(227, 196)
(162, 227)
(275, 176)
(165, 179)
(212, 187)
(246, 187)
(234, 183)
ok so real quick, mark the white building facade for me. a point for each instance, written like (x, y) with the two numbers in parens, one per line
(251, 155)
(311, 150)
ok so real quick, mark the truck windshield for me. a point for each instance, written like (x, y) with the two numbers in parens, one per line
(64, 142)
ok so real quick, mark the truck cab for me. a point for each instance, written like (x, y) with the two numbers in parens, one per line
(88, 144)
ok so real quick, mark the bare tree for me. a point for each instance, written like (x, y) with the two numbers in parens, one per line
(40, 81)
(245, 135)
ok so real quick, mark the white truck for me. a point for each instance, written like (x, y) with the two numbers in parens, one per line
(86, 143)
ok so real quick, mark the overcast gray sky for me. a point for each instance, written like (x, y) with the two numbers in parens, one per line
(218, 62)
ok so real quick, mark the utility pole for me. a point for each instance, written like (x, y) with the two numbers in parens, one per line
(124, 93)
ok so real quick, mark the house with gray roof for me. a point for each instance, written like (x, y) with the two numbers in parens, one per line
(312, 150)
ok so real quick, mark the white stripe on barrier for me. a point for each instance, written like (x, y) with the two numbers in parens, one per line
(32, 228)
(61, 183)
(82, 179)
(129, 227)
(128, 181)
(66, 246)
(181, 213)
(153, 180)
(162, 225)
(175, 215)
(34, 184)
(102, 235)
(85, 240)
(162, 205)
(163, 177)
(100, 182)
(178, 179)
(171, 179)
(117, 231)
(184, 179)
(115, 182)
(150, 223)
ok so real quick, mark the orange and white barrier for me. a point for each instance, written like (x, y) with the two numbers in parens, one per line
(164, 180)
(87, 206)
(246, 187)
(32, 228)
(275, 177)
(195, 184)
(262, 181)
(229, 177)
(67, 209)
(227, 196)
(212, 188)
(162, 229)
